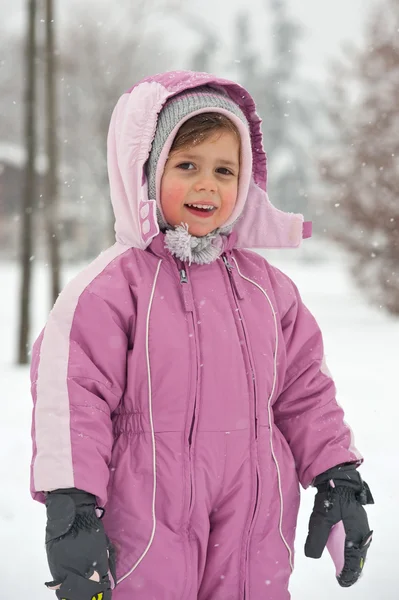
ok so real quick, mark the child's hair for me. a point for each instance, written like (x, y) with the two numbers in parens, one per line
(201, 127)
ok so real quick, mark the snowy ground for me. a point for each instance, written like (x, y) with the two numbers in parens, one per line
(362, 346)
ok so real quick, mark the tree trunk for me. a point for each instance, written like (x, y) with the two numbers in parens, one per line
(51, 200)
(28, 204)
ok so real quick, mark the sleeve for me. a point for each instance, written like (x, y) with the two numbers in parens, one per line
(306, 411)
(78, 374)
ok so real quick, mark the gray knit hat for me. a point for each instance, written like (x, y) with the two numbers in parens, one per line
(176, 110)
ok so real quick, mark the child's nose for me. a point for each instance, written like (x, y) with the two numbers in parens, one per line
(205, 184)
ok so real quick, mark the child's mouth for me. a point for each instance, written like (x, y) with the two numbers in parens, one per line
(205, 210)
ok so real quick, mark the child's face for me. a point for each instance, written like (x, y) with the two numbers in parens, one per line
(206, 175)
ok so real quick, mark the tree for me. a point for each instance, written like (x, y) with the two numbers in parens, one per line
(12, 56)
(287, 124)
(289, 112)
(28, 205)
(201, 59)
(51, 200)
(362, 169)
(248, 59)
(99, 60)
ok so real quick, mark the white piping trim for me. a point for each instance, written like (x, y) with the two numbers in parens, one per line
(270, 415)
(154, 520)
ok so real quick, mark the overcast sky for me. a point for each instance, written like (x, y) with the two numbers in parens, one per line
(326, 23)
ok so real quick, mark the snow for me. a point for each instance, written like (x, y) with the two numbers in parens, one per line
(362, 353)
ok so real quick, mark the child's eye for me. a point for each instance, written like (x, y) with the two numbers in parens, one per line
(225, 171)
(186, 166)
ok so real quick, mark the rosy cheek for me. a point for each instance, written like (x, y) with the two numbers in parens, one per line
(230, 198)
(173, 193)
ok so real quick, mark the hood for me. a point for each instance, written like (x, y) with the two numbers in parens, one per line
(132, 129)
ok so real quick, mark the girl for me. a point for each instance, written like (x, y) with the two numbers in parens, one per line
(180, 382)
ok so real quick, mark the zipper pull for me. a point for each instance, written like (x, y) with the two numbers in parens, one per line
(229, 267)
(235, 278)
(186, 289)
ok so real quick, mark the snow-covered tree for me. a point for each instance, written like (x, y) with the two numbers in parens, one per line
(285, 102)
(100, 60)
(203, 54)
(290, 114)
(247, 60)
(362, 169)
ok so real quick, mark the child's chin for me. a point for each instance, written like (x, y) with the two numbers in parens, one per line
(199, 229)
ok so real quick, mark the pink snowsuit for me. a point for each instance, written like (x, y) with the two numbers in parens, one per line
(190, 399)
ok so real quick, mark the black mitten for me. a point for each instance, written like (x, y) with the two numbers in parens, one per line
(339, 518)
(78, 551)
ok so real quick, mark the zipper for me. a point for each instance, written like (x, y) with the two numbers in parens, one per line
(189, 307)
(229, 267)
(187, 295)
(238, 293)
(183, 276)
(188, 302)
(236, 281)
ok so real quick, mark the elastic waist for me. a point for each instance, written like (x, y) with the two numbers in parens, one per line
(128, 423)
